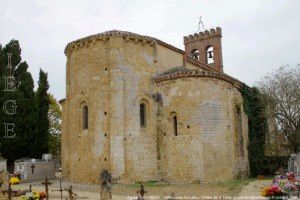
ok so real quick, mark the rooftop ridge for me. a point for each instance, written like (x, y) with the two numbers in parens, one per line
(207, 67)
(188, 73)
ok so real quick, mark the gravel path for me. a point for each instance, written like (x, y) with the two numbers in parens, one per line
(253, 189)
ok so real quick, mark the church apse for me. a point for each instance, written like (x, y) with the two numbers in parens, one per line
(145, 110)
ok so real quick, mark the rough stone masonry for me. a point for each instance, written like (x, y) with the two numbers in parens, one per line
(146, 110)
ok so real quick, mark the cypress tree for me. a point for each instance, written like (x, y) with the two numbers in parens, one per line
(14, 148)
(26, 116)
(26, 113)
(41, 144)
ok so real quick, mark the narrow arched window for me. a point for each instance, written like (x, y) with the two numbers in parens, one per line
(209, 55)
(85, 117)
(175, 125)
(143, 115)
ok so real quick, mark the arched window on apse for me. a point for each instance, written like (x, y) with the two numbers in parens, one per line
(143, 117)
(85, 117)
(175, 130)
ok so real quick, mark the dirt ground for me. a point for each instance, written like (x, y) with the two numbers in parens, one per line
(244, 189)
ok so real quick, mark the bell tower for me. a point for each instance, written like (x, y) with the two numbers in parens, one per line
(206, 47)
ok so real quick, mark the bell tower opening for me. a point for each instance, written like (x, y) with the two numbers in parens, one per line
(206, 47)
(195, 54)
(209, 55)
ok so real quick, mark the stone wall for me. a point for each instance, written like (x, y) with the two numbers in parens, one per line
(86, 152)
(205, 148)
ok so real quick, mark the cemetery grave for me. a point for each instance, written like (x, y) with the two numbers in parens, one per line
(34, 169)
(3, 164)
(61, 190)
(57, 189)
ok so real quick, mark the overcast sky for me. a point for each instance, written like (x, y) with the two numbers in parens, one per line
(258, 35)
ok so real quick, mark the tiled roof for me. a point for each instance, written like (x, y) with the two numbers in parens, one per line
(184, 72)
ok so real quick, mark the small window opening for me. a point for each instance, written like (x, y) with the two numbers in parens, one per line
(175, 125)
(142, 115)
(85, 118)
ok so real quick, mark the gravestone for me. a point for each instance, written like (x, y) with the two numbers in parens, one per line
(291, 163)
(3, 164)
(34, 170)
(294, 164)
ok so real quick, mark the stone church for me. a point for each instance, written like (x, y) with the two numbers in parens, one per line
(146, 110)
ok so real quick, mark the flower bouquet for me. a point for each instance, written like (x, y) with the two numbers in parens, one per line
(14, 180)
(281, 187)
(273, 192)
(34, 195)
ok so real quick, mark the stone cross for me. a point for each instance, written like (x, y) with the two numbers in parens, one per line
(32, 168)
(60, 189)
(200, 24)
(46, 183)
(142, 192)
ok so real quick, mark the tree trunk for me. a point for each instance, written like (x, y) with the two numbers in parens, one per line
(297, 146)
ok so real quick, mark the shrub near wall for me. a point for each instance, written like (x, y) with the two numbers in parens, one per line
(255, 109)
(273, 163)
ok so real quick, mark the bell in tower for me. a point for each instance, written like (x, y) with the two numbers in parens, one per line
(210, 55)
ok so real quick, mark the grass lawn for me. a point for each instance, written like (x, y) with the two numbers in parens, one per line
(228, 188)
